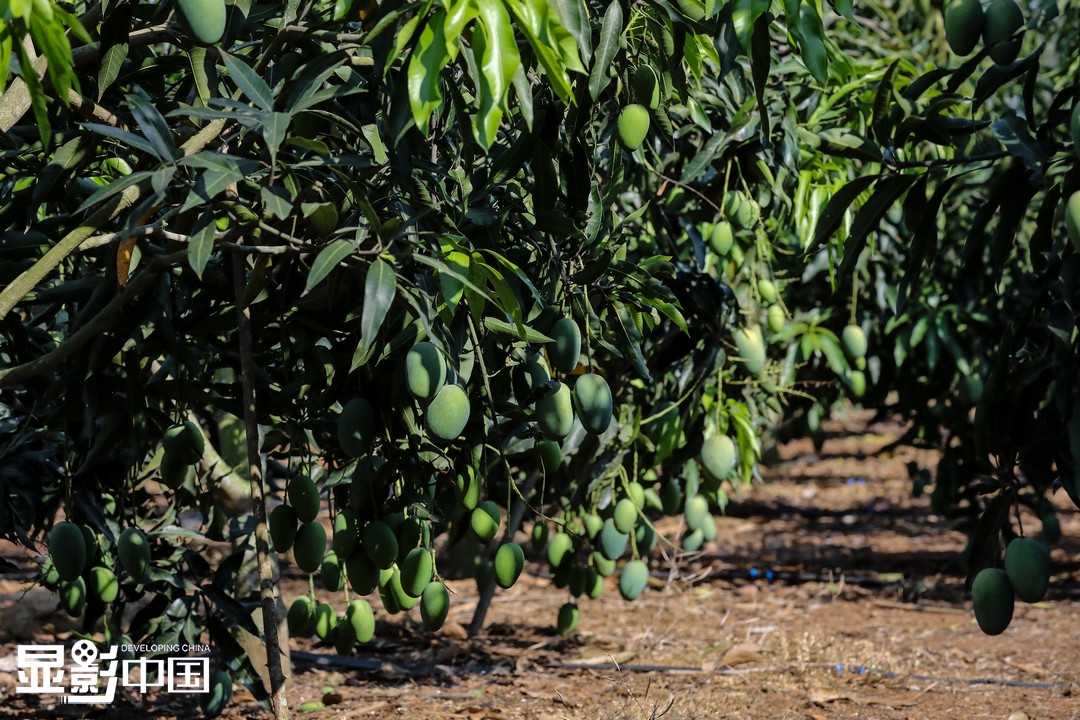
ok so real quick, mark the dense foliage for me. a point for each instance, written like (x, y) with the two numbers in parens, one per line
(462, 269)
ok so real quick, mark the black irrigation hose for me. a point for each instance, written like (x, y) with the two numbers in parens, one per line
(794, 577)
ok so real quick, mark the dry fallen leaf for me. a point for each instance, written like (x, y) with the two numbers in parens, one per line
(824, 697)
(741, 654)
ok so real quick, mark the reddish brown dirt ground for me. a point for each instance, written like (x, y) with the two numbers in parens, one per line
(709, 643)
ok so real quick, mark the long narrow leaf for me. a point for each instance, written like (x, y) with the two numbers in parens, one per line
(610, 35)
(869, 216)
(327, 260)
(380, 287)
(254, 87)
(833, 214)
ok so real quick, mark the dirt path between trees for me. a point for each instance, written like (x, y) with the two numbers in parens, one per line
(829, 593)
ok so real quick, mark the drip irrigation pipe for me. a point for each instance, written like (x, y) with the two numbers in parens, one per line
(795, 577)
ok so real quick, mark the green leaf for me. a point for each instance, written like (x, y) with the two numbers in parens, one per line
(1015, 135)
(986, 540)
(610, 35)
(517, 330)
(219, 171)
(812, 43)
(201, 245)
(845, 8)
(380, 287)
(5, 59)
(882, 119)
(111, 62)
(497, 59)
(452, 282)
(744, 14)
(127, 138)
(833, 214)
(115, 29)
(116, 186)
(203, 72)
(842, 142)
(153, 126)
(328, 259)
(274, 129)
(574, 16)
(633, 339)
(248, 81)
(426, 64)
(277, 202)
(888, 190)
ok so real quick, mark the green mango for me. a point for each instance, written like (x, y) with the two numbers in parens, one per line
(751, 348)
(509, 562)
(633, 579)
(301, 617)
(625, 516)
(853, 340)
(425, 371)
(416, 571)
(992, 599)
(434, 605)
(555, 412)
(380, 543)
(646, 84)
(1027, 565)
(282, 525)
(594, 402)
(304, 497)
(722, 238)
(361, 619)
(963, 25)
(214, 702)
(309, 546)
(1072, 219)
(1002, 19)
(559, 548)
(104, 584)
(184, 442)
(633, 126)
(133, 549)
(485, 521)
(331, 573)
(718, 456)
(568, 619)
(73, 596)
(566, 350)
(356, 426)
(67, 548)
(448, 413)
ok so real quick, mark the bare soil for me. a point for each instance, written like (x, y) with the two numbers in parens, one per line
(857, 610)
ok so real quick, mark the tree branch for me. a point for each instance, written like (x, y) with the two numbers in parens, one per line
(29, 279)
(258, 498)
(97, 324)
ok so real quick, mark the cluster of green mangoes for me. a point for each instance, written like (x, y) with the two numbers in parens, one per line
(77, 565)
(994, 591)
(966, 23)
(554, 405)
(391, 555)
